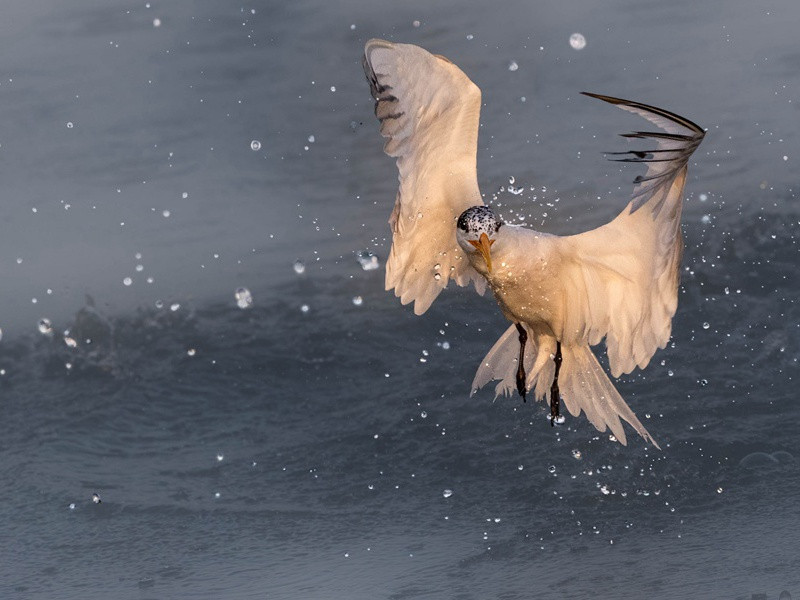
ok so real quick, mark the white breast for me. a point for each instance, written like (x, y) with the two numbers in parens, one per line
(524, 277)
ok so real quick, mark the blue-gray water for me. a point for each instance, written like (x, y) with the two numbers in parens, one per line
(276, 453)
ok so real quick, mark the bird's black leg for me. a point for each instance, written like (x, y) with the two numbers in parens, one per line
(555, 397)
(523, 338)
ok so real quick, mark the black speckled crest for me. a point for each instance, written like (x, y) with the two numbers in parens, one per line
(479, 219)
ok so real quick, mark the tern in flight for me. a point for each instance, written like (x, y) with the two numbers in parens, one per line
(562, 294)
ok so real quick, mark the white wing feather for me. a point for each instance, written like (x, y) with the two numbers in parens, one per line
(429, 112)
(621, 279)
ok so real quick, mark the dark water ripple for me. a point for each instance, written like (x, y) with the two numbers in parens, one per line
(324, 456)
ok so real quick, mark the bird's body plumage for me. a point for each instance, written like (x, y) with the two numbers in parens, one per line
(617, 282)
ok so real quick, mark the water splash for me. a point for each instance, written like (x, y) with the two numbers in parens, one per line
(45, 326)
(367, 260)
(244, 299)
(70, 341)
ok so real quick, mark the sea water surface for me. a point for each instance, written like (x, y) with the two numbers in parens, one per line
(309, 437)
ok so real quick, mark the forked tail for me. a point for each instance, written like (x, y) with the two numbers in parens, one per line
(583, 383)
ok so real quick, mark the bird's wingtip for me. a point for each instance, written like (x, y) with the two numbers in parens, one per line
(609, 99)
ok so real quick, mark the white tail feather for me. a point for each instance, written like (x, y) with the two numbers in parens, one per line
(583, 383)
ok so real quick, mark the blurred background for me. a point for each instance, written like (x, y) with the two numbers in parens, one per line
(192, 327)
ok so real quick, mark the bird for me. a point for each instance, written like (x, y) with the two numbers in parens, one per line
(562, 294)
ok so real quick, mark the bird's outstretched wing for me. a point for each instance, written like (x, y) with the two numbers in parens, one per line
(621, 279)
(429, 112)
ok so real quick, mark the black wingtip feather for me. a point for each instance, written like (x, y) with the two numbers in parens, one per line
(683, 121)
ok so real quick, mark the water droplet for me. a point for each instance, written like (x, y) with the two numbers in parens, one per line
(423, 414)
(437, 276)
(311, 139)
(299, 267)
(1, 333)
(255, 145)
(69, 340)
(447, 493)
(416, 23)
(72, 506)
(96, 498)
(577, 41)
(705, 219)
(513, 66)
(470, 36)
(703, 197)
(244, 299)
(127, 281)
(156, 22)
(70, 125)
(437, 266)
(175, 306)
(445, 345)
(670, 373)
(358, 300)
(706, 325)
(139, 268)
(520, 467)
(576, 454)
(304, 308)
(191, 352)
(166, 213)
(551, 469)
(719, 490)
(159, 304)
(45, 326)
(220, 457)
(367, 260)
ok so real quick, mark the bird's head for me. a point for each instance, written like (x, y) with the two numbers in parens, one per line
(476, 231)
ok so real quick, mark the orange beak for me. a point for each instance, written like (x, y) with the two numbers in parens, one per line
(484, 245)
